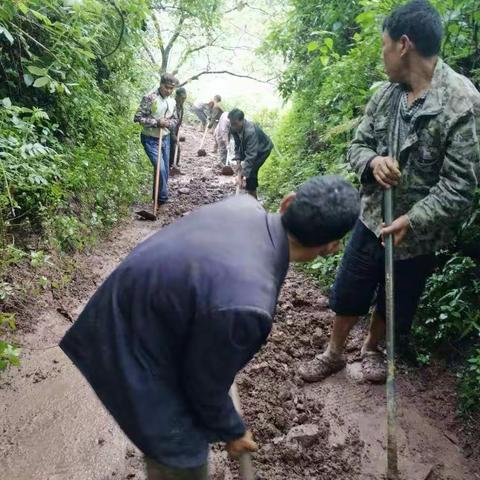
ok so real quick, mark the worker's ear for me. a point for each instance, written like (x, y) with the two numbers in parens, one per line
(287, 200)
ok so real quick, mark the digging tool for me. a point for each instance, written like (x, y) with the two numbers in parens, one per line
(201, 152)
(392, 459)
(239, 178)
(175, 170)
(247, 471)
(143, 213)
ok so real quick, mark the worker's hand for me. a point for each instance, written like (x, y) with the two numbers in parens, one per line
(241, 182)
(386, 171)
(241, 445)
(399, 228)
(163, 123)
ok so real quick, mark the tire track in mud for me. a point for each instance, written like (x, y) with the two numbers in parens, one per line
(54, 428)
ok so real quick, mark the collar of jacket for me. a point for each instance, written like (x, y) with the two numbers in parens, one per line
(433, 103)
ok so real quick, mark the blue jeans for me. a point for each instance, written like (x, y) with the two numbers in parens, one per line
(150, 144)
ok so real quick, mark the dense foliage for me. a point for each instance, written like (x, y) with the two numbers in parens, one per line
(71, 162)
(333, 67)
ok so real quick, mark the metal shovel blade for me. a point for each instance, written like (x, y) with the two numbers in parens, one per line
(146, 215)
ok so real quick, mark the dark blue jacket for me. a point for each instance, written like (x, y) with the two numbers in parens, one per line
(163, 338)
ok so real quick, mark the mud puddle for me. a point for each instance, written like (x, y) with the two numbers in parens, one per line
(53, 427)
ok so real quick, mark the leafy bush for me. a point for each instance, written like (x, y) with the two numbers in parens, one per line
(71, 162)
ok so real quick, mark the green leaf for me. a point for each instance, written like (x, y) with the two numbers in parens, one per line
(23, 8)
(41, 82)
(7, 103)
(28, 79)
(41, 72)
(324, 59)
(312, 46)
(7, 35)
(329, 43)
(41, 17)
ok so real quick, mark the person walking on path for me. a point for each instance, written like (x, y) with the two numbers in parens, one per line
(180, 98)
(420, 136)
(157, 112)
(161, 341)
(252, 148)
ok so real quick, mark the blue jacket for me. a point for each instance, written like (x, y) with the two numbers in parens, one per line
(163, 338)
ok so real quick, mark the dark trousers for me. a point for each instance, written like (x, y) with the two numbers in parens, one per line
(157, 471)
(361, 278)
(150, 144)
(252, 179)
(173, 146)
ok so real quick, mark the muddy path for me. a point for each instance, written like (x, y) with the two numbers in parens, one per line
(52, 427)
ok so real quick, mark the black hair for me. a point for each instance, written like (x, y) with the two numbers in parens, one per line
(236, 114)
(181, 92)
(217, 98)
(325, 209)
(168, 79)
(420, 22)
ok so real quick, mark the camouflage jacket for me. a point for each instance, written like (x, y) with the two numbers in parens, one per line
(439, 161)
(154, 107)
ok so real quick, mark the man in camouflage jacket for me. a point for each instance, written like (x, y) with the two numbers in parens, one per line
(420, 135)
(158, 113)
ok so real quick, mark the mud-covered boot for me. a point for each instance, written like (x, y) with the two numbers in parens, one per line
(321, 367)
(374, 366)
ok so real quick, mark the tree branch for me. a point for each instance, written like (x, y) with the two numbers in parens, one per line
(224, 72)
(149, 53)
(156, 24)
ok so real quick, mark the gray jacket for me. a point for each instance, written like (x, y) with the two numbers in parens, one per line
(251, 143)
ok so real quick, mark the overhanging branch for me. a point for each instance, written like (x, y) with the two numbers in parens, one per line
(224, 72)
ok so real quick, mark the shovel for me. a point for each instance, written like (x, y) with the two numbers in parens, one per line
(247, 471)
(392, 457)
(143, 213)
(175, 170)
(201, 152)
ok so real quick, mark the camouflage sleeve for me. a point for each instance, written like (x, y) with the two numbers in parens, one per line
(364, 145)
(144, 113)
(450, 200)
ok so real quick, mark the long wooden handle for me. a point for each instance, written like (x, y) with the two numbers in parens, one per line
(204, 136)
(247, 472)
(157, 172)
(177, 146)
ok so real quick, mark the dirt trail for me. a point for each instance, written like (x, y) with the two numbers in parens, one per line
(53, 427)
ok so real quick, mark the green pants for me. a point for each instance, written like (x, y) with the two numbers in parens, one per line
(157, 471)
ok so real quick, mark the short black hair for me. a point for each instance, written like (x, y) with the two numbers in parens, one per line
(181, 92)
(217, 98)
(236, 114)
(325, 209)
(169, 79)
(420, 22)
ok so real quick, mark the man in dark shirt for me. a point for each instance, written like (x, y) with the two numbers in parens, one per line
(180, 98)
(163, 338)
(252, 148)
